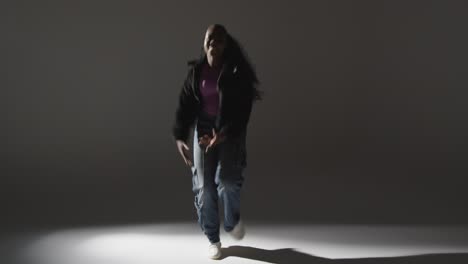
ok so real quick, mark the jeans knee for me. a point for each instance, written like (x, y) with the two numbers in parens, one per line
(205, 194)
(229, 185)
(198, 201)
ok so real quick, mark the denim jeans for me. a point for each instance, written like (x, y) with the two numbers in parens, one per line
(219, 173)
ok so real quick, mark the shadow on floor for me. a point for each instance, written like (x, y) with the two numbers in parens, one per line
(290, 255)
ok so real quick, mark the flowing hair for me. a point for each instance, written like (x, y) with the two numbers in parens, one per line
(234, 53)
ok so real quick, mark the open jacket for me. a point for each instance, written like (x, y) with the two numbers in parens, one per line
(235, 101)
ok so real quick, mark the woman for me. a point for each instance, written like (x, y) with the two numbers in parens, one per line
(217, 98)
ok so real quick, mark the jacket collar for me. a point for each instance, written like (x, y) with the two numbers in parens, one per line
(226, 67)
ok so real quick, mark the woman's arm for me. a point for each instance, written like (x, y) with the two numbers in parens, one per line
(186, 109)
(241, 116)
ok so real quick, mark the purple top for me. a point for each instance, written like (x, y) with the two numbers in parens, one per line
(208, 88)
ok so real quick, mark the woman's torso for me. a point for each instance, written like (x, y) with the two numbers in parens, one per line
(210, 98)
(208, 89)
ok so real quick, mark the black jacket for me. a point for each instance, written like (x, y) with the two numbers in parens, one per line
(235, 103)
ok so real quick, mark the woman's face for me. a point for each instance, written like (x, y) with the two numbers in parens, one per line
(215, 43)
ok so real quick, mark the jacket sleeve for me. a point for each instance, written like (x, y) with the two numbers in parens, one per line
(186, 110)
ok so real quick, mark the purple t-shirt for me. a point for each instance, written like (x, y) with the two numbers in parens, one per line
(208, 88)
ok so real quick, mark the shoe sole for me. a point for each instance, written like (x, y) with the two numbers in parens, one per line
(216, 257)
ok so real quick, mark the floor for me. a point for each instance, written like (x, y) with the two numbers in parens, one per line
(273, 243)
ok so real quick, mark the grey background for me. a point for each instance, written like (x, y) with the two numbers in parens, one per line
(364, 117)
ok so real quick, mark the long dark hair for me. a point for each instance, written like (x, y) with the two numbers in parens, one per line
(234, 53)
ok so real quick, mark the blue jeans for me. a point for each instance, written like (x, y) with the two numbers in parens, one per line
(217, 174)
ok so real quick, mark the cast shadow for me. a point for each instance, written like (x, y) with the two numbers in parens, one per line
(292, 256)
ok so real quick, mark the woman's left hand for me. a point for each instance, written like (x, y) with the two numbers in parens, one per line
(214, 140)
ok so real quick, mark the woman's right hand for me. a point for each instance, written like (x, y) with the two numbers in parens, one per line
(183, 150)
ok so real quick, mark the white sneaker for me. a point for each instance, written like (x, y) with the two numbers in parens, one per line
(238, 232)
(214, 250)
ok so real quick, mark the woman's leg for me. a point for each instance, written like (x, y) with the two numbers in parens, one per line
(230, 177)
(204, 188)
